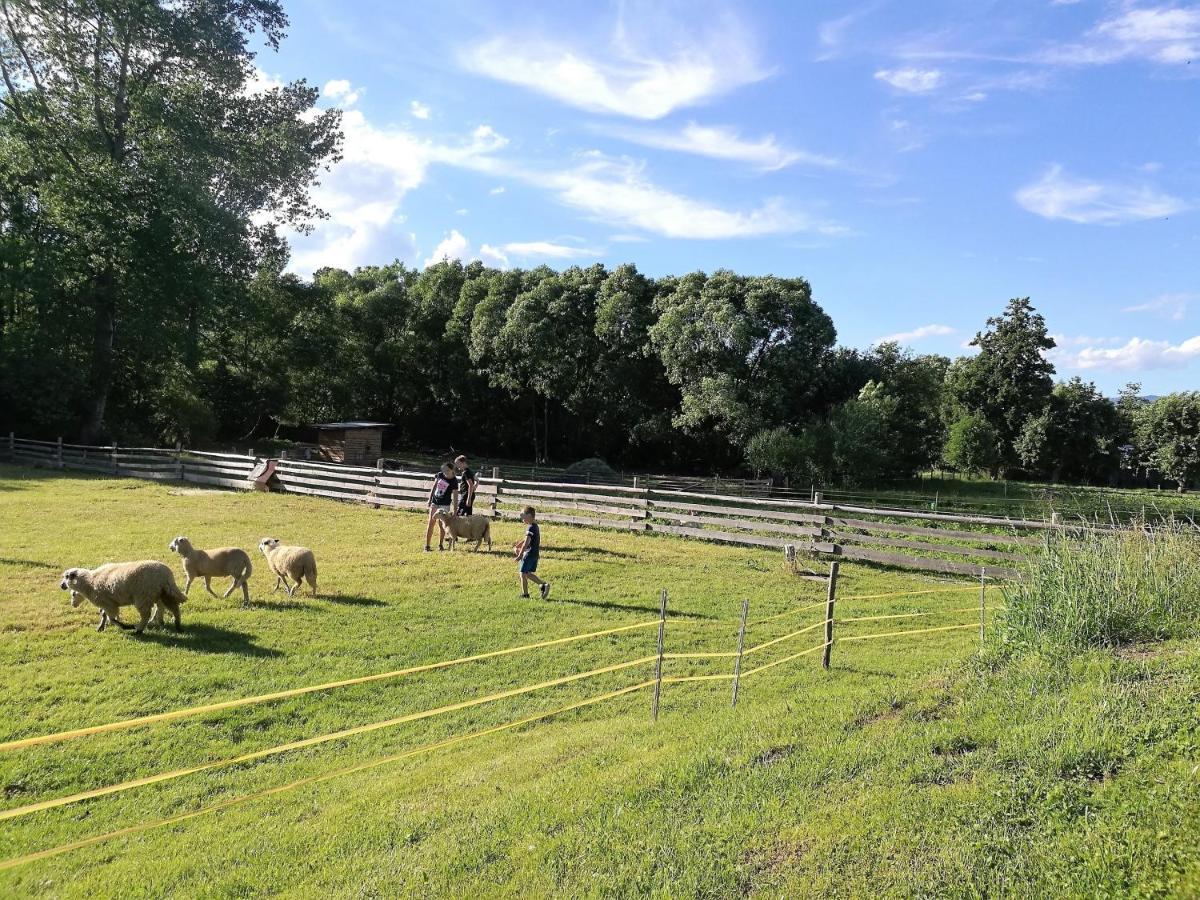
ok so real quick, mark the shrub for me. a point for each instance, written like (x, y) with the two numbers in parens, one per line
(1104, 589)
(593, 465)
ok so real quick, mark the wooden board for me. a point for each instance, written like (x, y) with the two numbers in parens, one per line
(600, 488)
(978, 536)
(283, 470)
(739, 512)
(865, 554)
(954, 549)
(542, 502)
(799, 531)
(288, 480)
(241, 484)
(534, 494)
(580, 520)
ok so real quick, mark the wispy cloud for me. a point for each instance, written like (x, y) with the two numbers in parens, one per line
(419, 110)
(1169, 306)
(550, 250)
(1057, 195)
(719, 142)
(1168, 35)
(1136, 355)
(907, 337)
(653, 65)
(341, 90)
(911, 80)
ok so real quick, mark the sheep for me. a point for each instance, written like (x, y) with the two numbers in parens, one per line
(290, 562)
(468, 528)
(226, 562)
(142, 585)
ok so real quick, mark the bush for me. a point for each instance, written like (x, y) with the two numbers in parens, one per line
(973, 446)
(777, 452)
(593, 465)
(1104, 589)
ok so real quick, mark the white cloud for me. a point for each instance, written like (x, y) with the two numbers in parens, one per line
(1136, 355)
(493, 256)
(923, 331)
(419, 110)
(259, 82)
(1168, 35)
(499, 189)
(653, 66)
(720, 142)
(911, 80)
(1170, 306)
(341, 90)
(453, 246)
(550, 250)
(1057, 195)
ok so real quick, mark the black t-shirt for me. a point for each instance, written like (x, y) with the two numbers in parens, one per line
(467, 477)
(443, 489)
(533, 539)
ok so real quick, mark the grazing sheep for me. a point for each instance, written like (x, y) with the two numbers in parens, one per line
(142, 585)
(286, 562)
(225, 562)
(468, 528)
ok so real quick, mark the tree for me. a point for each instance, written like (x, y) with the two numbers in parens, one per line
(861, 438)
(915, 425)
(1009, 381)
(155, 172)
(973, 446)
(777, 452)
(1168, 436)
(1075, 438)
(745, 352)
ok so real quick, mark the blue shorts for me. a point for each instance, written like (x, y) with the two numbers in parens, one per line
(528, 564)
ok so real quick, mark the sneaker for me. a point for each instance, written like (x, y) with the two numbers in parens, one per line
(545, 590)
(428, 549)
(524, 596)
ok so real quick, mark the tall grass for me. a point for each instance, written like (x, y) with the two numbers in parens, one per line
(1104, 589)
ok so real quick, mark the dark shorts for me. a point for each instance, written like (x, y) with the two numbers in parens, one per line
(465, 510)
(528, 564)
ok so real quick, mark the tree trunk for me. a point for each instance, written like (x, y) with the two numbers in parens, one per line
(533, 409)
(102, 356)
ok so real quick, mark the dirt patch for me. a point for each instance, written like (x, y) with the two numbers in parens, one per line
(189, 492)
(889, 714)
(772, 756)
(958, 745)
(762, 862)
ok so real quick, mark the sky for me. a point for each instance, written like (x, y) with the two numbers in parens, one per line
(918, 163)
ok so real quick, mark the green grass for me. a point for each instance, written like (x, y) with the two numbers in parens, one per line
(912, 768)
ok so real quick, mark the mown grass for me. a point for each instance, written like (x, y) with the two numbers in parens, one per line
(909, 769)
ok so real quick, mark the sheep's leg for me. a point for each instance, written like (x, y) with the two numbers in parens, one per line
(157, 618)
(144, 612)
(245, 591)
(287, 586)
(187, 584)
(110, 614)
(312, 582)
(278, 579)
(173, 606)
(232, 586)
(208, 585)
(103, 621)
(477, 543)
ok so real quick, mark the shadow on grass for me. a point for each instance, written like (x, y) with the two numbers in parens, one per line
(585, 552)
(627, 607)
(858, 670)
(30, 563)
(352, 600)
(208, 639)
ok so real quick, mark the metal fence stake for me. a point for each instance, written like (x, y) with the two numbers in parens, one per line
(737, 663)
(830, 597)
(662, 629)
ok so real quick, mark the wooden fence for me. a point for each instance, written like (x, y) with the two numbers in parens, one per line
(935, 542)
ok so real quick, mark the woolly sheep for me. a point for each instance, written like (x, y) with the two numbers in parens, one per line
(468, 528)
(141, 585)
(287, 562)
(225, 562)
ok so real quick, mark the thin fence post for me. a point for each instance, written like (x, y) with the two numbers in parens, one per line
(12, 444)
(662, 629)
(58, 457)
(829, 600)
(817, 498)
(737, 663)
(982, 601)
(116, 468)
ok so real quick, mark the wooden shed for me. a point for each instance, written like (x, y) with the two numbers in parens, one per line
(353, 443)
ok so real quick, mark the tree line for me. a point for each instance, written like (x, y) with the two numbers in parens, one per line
(144, 297)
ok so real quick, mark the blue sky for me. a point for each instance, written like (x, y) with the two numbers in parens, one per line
(918, 163)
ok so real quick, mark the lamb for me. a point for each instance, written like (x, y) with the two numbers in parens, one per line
(141, 585)
(468, 528)
(287, 562)
(226, 562)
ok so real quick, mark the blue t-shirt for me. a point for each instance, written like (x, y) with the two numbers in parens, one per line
(533, 539)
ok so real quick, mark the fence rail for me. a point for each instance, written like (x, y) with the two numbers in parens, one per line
(940, 542)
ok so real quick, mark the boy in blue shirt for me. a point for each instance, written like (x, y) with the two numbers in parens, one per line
(526, 550)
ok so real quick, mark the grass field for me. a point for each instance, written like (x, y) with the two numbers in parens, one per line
(914, 767)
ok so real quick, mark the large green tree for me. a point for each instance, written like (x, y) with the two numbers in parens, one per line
(1168, 437)
(1009, 381)
(1075, 438)
(155, 172)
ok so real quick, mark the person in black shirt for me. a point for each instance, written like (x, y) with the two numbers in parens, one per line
(443, 496)
(468, 484)
(526, 551)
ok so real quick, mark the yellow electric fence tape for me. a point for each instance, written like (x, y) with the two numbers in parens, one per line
(779, 640)
(778, 662)
(296, 692)
(869, 637)
(310, 742)
(314, 779)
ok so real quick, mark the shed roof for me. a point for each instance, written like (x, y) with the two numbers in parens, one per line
(346, 426)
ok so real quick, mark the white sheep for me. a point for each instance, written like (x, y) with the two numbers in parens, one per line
(468, 528)
(287, 562)
(224, 562)
(142, 585)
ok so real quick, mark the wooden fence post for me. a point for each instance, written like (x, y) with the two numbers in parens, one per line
(982, 601)
(58, 457)
(817, 498)
(179, 461)
(829, 599)
(737, 663)
(12, 444)
(116, 468)
(662, 628)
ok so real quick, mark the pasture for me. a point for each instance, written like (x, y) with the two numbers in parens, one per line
(914, 767)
